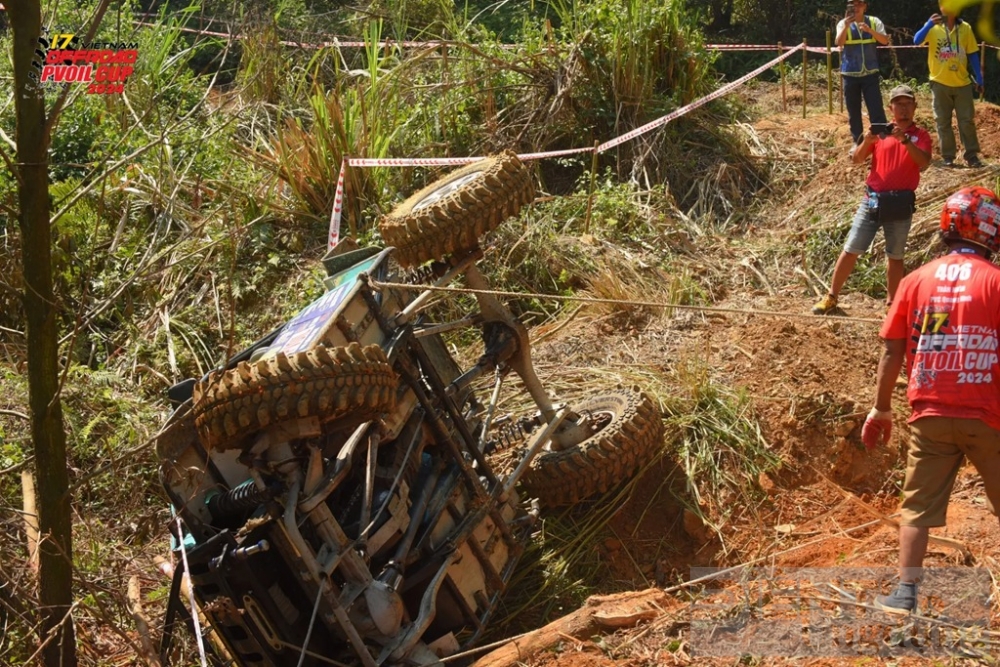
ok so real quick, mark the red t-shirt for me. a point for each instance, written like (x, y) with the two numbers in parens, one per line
(949, 312)
(892, 166)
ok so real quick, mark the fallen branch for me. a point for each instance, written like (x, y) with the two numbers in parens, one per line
(599, 614)
(141, 624)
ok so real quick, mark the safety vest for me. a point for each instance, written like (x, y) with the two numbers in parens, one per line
(858, 57)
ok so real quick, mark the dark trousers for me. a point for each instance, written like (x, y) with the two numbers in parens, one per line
(856, 88)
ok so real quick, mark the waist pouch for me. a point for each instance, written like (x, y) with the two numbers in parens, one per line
(892, 205)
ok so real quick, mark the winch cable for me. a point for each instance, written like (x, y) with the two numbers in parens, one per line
(191, 600)
(626, 302)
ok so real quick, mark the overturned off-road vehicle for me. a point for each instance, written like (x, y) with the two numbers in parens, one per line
(334, 487)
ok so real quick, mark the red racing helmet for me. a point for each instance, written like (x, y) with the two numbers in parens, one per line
(972, 215)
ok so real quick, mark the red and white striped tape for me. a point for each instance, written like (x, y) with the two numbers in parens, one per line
(566, 151)
(445, 161)
(338, 209)
(410, 161)
(747, 47)
(628, 136)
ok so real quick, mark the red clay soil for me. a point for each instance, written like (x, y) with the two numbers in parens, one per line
(811, 384)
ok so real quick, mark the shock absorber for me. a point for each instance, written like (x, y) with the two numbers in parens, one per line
(510, 433)
(239, 500)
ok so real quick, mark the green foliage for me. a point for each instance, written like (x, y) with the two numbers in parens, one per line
(719, 444)
(640, 59)
(416, 19)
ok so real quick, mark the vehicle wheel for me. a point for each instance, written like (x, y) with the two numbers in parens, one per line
(329, 383)
(629, 436)
(453, 213)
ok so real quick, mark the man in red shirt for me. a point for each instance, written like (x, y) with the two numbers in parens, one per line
(945, 323)
(899, 151)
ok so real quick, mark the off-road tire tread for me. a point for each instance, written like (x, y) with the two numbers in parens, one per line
(329, 383)
(459, 220)
(613, 455)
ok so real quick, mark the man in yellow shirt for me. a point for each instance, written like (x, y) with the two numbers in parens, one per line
(953, 60)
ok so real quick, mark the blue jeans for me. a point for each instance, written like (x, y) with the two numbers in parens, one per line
(856, 88)
(865, 226)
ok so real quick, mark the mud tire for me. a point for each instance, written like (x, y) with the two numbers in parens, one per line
(453, 213)
(354, 383)
(629, 440)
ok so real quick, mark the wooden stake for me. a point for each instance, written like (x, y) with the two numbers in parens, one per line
(593, 183)
(781, 70)
(829, 73)
(982, 69)
(805, 76)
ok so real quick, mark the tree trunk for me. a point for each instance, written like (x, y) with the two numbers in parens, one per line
(55, 563)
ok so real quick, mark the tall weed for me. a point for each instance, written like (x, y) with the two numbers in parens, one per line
(719, 445)
(359, 117)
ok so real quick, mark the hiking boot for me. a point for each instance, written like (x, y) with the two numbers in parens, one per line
(825, 305)
(974, 162)
(903, 600)
(949, 162)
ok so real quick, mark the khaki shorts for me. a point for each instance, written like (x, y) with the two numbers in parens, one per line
(938, 445)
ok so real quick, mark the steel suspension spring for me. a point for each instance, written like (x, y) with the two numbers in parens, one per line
(511, 433)
(239, 500)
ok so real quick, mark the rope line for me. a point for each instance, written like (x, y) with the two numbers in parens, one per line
(619, 302)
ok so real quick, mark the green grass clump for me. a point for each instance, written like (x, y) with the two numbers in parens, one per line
(719, 444)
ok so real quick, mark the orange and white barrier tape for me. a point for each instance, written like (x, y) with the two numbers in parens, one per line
(410, 161)
(338, 208)
(335, 217)
(694, 105)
